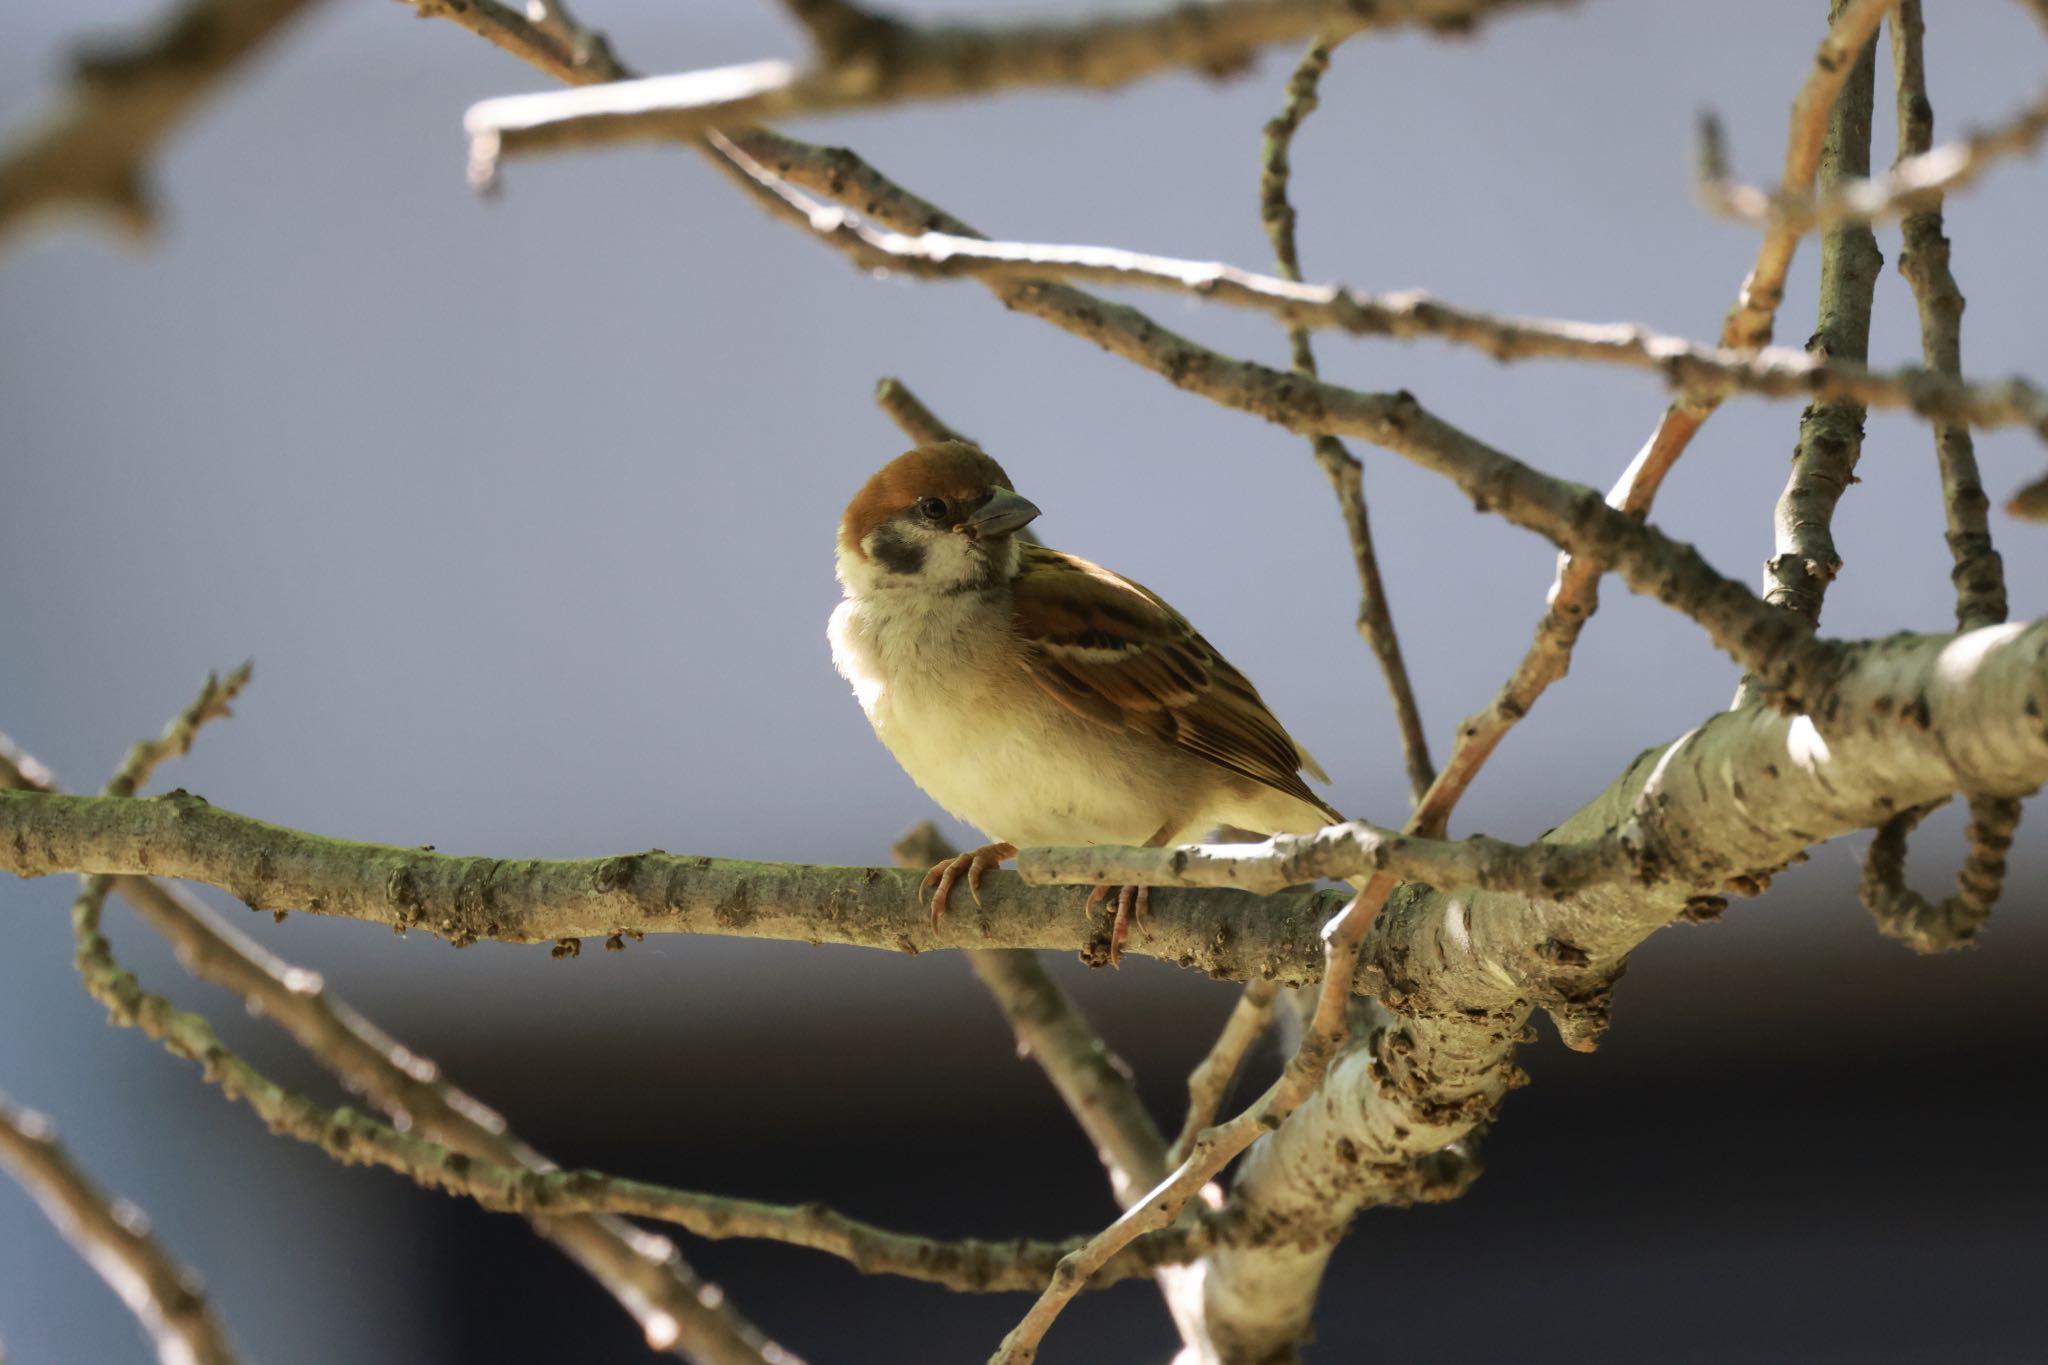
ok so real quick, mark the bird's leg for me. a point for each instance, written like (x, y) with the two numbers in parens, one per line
(1132, 902)
(975, 865)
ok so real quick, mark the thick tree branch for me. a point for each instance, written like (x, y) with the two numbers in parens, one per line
(889, 61)
(124, 99)
(114, 1237)
(1916, 717)
(569, 53)
(1930, 714)
(1924, 263)
(1465, 971)
(1351, 849)
(529, 900)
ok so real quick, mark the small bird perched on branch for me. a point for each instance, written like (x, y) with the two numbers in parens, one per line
(1039, 697)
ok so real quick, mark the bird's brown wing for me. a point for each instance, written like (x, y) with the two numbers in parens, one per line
(1112, 651)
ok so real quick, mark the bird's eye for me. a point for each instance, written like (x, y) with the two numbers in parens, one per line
(932, 509)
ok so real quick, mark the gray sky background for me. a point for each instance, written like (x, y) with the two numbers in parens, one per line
(524, 510)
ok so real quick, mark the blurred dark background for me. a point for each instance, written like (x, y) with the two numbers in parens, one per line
(524, 510)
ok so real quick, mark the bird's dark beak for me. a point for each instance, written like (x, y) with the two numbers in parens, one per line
(1003, 513)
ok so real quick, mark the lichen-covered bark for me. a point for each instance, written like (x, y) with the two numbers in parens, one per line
(1740, 796)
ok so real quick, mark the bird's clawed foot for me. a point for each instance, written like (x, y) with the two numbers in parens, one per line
(975, 865)
(1132, 904)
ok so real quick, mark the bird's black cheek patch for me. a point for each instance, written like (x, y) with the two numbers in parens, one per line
(895, 551)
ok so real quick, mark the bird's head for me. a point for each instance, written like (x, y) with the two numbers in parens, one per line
(940, 518)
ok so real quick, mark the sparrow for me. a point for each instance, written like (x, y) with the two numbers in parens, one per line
(1039, 697)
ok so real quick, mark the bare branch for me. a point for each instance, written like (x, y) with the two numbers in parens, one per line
(566, 51)
(1573, 517)
(1979, 574)
(919, 422)
(1354, 848)
(1212, 1076)
(114, 1237)
(2031, 502)
(1953, 922)
(585, 48)
(712, 1333)
(1340, 466)
(1575, 593)
(1850, 28)
(542, 901)
(1965, 727)
(353, 1138)
(885, 62)
(1702, 373)
(1465, 969)
(212, 703)
(675, 1309)
(1093, 1081)
(1214, 1148)
(1830, 433)
(124, 99)
(1913, 184)
(639, 1269)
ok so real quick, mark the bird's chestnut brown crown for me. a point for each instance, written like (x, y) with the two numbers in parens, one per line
(941, 489)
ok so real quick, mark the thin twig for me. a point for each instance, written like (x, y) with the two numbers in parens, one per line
(1924, 263)
(353, 1138)
(1851, 25)
(1979, 576)
(585, 48)
(1339, 465)
(212, 703)
(114, 1238)
(574, 56)
(1797, 576)
(883, 62)
(1211, 1078)
(1214, 1148)
(1574, 595)
(124, 98)
(639, 1269)
(1925, 926)
(675, 1309)
(908, 411)
(1093, 1081)
(2030, 502)
(1914, 182)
